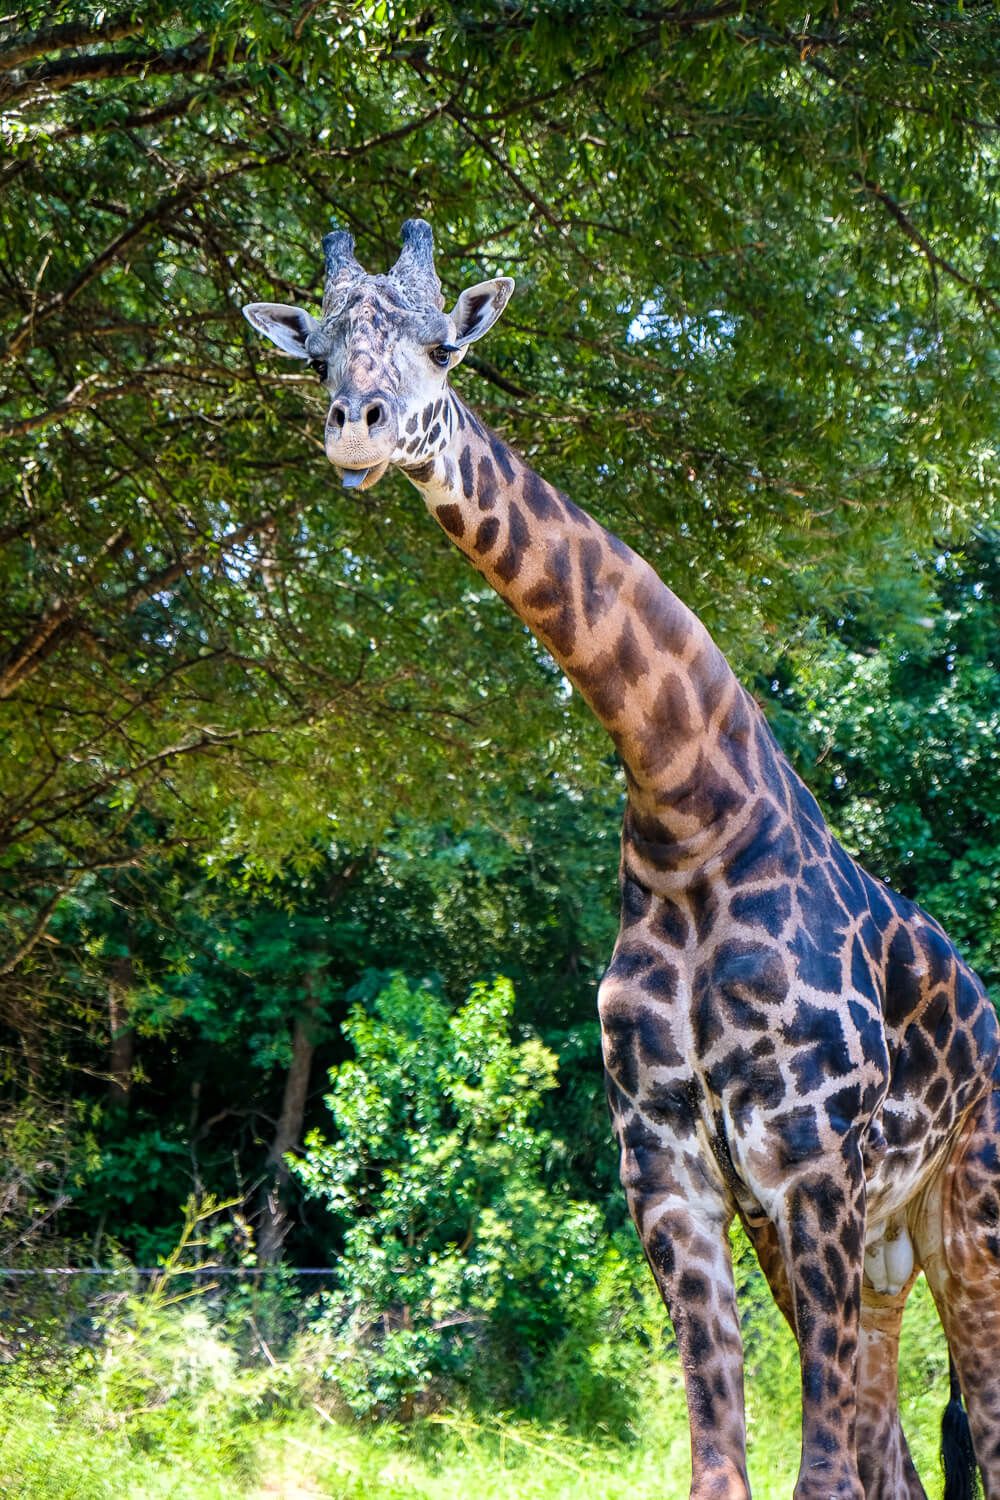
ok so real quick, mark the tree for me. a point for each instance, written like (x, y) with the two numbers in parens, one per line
(900, 738)
(239, 985)
(756, 250)
(757, 254)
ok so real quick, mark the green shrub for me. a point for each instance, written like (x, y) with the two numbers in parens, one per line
(462, 1249)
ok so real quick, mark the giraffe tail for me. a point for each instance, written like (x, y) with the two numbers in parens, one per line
(958, 1460)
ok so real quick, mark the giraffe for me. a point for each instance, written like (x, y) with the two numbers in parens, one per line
(786, 1040)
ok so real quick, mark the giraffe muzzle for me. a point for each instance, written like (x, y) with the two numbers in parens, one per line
(361, 479)
(361, 436)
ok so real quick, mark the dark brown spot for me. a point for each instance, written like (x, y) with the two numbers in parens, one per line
(487, 484)
(739, 983)
(450, 517)
(603, 690)
(796, 1139)
(764, 849)
(767, 909)
(672, 709)
(704, 904)
(502, 456)
(465, 469)
(552, 598)
(543, 597)
(660, 981)
(704, 795)
(576, 514)
(673, 1104)
(631, 661)
(710, 677)
(663, 616)
(558, 566)
(670, 923)
(817, 1034)
(508, 564)
(594, 602)
(633, 1036)
(487, 534)
(539, 497)
(636, 898)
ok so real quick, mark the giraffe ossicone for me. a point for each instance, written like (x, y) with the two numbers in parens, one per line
(785, 1038)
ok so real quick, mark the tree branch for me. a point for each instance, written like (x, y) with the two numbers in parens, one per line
(30, 44)
(28, 655)
(68, 406)
(37, 930)
(937, 262)
(64, 72)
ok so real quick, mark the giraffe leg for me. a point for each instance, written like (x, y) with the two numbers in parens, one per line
(887, 1470)
(683, 1217)
(955, 1227)
(764, 1238)
(820, 1220)
(690, 1257)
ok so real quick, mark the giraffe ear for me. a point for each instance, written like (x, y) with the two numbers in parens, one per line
(478, 308)
(288, 327)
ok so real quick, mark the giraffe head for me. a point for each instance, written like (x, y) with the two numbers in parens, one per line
(383, 347)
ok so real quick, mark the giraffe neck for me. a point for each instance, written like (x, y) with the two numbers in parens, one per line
(643, 662)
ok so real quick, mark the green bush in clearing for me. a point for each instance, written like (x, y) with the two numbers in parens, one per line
(464, 1257)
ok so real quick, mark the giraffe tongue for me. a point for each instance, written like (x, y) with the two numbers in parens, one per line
(353, 479)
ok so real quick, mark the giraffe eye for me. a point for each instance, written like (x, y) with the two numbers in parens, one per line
(441, 354)
(320, 366)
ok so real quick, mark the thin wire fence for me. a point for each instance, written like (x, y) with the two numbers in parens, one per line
(166, 1271)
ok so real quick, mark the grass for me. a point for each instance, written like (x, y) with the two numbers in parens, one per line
(170, 1413)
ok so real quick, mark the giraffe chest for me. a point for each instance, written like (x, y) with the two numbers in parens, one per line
(697, 991)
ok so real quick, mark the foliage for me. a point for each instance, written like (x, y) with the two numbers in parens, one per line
(756, 251)
(47, 1154)
(455, 1234)
(223, 965)
(150, 1382)
(194, 1427)
(903, 736)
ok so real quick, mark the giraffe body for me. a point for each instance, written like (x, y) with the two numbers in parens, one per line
(785, 1038)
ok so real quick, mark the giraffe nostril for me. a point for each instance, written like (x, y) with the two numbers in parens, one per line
(339, 415)
(373, 415)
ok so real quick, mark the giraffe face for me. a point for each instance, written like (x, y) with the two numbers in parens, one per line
(382, 364)
(383, 350)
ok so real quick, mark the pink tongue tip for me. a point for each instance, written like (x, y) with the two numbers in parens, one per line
(352, 479)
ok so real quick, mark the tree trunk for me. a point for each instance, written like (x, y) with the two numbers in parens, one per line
(121, 1046)
(274, 1222)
